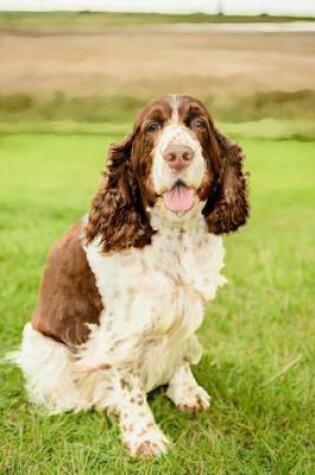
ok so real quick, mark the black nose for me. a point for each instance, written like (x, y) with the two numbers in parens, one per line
(178, 157)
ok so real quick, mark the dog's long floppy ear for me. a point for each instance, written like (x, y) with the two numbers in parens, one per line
(227, 207)
(117, 214)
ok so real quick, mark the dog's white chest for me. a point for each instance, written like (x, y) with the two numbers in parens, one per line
(175, 270)
(154, 297)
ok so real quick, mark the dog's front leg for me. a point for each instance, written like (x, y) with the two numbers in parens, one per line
(140, 433)
(185, 392)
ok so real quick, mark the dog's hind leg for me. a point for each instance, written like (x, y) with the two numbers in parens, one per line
(49, 372)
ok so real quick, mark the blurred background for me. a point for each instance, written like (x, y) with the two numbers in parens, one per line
(246, 63)
(73, 75)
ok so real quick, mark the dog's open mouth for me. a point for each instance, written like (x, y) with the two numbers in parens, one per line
(179, 198)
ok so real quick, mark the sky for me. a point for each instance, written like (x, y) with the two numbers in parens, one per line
(272, 7)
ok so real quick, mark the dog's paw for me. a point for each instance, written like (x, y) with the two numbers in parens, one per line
(149, 444)
(193, 399)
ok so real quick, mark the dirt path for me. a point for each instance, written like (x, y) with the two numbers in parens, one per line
(143, 60)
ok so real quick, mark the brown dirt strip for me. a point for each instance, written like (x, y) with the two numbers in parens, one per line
(141, 61)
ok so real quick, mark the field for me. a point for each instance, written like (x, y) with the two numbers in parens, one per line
(85, 70)
(72, 84)
(262, 417)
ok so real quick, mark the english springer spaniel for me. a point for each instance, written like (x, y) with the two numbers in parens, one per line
(125, 289)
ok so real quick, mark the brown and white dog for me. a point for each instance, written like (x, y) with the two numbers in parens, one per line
(124, 291)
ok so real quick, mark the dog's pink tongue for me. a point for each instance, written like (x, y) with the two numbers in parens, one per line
(179, 198)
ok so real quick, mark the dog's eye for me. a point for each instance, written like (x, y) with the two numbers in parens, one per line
(152, 127)
(198, 123)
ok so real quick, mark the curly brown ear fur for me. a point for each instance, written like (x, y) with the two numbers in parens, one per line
(117, 213)
(227, 208)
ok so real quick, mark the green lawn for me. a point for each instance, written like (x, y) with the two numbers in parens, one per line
(262, 418)
(32, 20)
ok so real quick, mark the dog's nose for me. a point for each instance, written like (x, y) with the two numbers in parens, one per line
(178, 157)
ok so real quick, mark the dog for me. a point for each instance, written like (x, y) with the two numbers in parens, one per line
(125, 289)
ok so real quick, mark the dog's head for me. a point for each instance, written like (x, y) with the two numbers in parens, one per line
(176, 157)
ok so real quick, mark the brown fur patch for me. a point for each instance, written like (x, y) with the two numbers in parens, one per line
(68, 297)
(225, 184)
(118, 212)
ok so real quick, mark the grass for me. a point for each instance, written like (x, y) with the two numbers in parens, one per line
(27, 107)
(32, 20)
(262, 417)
